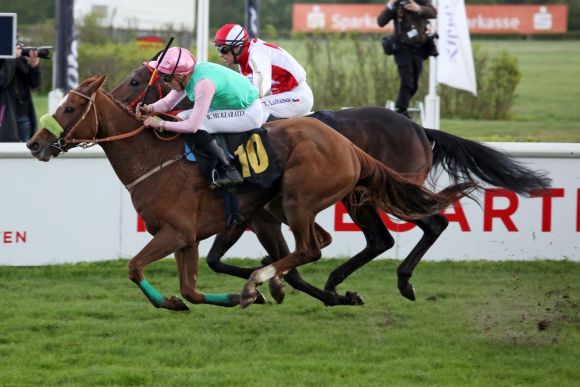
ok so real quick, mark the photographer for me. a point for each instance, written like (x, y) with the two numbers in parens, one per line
(410, 43)
(17, 77)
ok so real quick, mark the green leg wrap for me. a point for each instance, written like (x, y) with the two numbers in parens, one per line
(219, 299)
(152, 294)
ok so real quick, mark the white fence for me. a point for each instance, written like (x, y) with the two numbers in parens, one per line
(74, 209)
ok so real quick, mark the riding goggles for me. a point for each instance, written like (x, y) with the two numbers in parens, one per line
(224, 49)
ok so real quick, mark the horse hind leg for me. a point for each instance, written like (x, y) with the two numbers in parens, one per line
(307, 250)
(378, 239)
(432, 226)
(293, 277)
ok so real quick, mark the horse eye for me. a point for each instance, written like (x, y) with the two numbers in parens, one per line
(69, 109)
(134, 83)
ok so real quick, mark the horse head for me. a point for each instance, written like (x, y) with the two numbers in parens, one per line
(130, 92)
(75, 118)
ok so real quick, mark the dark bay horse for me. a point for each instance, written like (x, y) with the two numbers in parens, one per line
(398, 143)
(319, 168)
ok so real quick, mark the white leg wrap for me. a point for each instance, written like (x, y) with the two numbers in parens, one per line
(265, 274)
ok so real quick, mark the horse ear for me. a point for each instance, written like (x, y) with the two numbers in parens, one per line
(100, 80)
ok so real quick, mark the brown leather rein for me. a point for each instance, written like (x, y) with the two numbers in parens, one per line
(86, 143)
(142, 94)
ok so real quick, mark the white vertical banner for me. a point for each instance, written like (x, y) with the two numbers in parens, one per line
(455, 61)
(202, 30)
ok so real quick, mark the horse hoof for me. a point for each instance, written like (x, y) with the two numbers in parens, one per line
(408, 291)
(277, 290)
(248, 295)
(349, 298)
(260, 299)
(354, 299)
(174, 303)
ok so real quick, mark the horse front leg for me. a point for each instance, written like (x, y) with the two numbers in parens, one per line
(268, 232)
(221, 244)
(187, 260)
(378, 240)
(163, 244)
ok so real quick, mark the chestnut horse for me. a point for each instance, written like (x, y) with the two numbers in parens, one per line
(398, 143)
(319, 167)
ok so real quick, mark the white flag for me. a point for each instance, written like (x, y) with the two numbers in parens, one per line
(455, 61)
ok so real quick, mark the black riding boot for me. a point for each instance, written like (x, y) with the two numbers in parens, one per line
(225, 174)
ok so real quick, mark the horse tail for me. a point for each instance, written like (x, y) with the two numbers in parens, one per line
(466, 160)
(397, 195)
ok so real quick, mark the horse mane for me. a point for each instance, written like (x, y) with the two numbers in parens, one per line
(123, 108)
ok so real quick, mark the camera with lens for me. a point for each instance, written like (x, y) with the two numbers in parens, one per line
(43, 51)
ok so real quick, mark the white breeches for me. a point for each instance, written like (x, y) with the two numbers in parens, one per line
(231, 121)
(293, 103)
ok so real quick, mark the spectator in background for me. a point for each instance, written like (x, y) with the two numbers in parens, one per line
(410, 22)
(17, 78)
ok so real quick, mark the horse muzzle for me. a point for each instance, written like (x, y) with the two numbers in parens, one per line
(43, 148)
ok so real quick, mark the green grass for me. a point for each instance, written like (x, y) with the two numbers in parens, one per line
(547, 95)
(473, 324)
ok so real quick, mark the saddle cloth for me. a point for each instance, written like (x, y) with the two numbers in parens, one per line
(251, 153)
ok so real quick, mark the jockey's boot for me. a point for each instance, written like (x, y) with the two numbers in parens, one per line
(225, 174)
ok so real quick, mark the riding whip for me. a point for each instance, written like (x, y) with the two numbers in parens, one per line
(152, 80)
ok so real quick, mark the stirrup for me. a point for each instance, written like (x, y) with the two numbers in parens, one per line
(214, 177)
(225, 180)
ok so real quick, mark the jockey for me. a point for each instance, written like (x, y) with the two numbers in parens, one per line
(278, 77)
(225, 102)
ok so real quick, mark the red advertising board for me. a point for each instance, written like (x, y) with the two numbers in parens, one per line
(517, 19)
(482, 19)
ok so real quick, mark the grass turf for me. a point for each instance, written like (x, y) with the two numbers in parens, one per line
(474, 323)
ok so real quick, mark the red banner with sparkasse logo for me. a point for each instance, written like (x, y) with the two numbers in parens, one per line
(520, 19)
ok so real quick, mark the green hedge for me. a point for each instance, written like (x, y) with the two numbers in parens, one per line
(343, 70)
(351, 70)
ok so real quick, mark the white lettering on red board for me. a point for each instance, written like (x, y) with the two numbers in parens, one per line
(494, 216)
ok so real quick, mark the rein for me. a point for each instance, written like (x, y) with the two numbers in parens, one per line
(93, 141)
(142, 94)
(86, 143)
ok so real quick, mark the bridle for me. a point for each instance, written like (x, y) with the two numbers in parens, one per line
(61, 142)
(159, 89)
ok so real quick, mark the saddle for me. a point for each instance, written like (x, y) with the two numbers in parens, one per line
(249, 151)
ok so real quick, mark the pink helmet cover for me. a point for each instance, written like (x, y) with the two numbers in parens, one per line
(185, 63)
